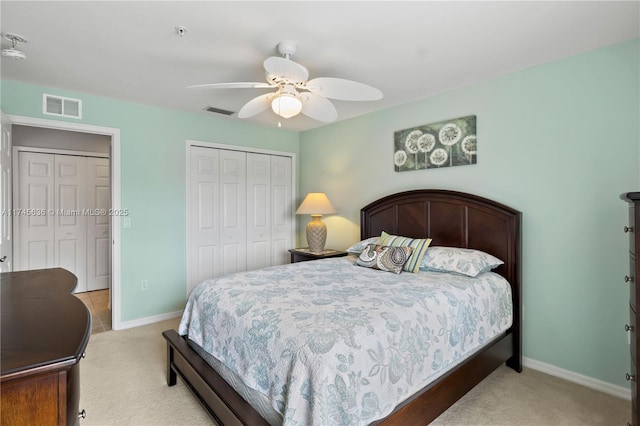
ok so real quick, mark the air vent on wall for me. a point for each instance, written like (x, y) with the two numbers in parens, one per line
(219, 110)
(61, 106)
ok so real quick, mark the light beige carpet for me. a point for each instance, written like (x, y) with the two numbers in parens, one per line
(123, 383)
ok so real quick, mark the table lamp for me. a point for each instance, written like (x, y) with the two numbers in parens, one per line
(316, 204)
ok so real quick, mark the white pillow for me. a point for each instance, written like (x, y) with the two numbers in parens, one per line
(359, 247)
(463, 261)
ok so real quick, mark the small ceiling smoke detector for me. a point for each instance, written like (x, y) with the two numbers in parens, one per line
(180, 30)
(14, 53)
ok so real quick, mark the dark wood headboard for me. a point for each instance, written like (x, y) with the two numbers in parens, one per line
(449, 218)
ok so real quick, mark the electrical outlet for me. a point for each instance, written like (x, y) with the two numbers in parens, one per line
(144, 285)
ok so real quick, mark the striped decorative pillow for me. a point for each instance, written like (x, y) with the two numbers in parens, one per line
(419, 248)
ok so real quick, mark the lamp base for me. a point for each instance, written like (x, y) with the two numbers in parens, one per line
(316, 234)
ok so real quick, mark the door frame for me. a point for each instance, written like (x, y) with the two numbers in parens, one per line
(6, 228)
(116, 204)
(203, 144)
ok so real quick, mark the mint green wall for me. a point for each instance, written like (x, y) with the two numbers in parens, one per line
(153, 179)
(559, 142)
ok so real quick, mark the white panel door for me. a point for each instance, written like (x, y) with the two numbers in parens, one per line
(70, 232)
(34, 239)
(233, 207)
(6, 215)
(258, 211)
(282, 223)
(204, 215)
(98, 225)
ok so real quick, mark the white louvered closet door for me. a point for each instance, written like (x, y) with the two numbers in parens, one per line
(240, 212)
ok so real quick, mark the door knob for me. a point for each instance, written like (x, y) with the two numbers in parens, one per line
(628, 279)
(628, 229)
(3, 258)
(630, 377)
(628, 327)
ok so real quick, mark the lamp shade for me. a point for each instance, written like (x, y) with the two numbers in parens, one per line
(316, 203)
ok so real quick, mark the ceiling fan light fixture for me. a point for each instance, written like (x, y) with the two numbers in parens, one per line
(12, 52)
(286, 105)
(289, 77)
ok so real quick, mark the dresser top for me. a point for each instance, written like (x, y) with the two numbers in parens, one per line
(43, 324)
(632, 197)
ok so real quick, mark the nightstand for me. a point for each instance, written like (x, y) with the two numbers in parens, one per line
(303, 254)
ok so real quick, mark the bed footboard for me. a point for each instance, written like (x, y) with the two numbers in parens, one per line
(228, 408)
(220, 400)
(436, 398)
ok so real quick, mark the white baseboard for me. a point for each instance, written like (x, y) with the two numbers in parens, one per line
(589, 382)
(148, 320)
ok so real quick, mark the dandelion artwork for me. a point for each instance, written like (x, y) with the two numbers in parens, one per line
(443, 144)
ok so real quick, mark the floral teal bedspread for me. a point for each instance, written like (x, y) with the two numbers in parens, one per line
(331, 343)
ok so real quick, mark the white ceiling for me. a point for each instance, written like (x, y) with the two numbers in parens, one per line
(409, 50)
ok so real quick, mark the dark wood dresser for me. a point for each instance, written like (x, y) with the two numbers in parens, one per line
(45, 331)
(633, 229)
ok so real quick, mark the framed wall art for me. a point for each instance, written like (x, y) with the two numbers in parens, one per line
(442, 144)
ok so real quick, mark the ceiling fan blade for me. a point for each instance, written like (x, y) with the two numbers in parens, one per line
(318, 107)
(279, 68)
(256, 105)
(239, 85)
(344, 90)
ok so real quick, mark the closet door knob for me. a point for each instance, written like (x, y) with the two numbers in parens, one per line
(3, 258)
(628, 279)
(628, 229)
(628, 327)
(82, 414)
(630, 377)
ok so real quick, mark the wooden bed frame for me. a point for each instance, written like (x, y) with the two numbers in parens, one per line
(449, 218)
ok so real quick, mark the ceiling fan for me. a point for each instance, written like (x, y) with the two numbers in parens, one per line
(295, 93)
